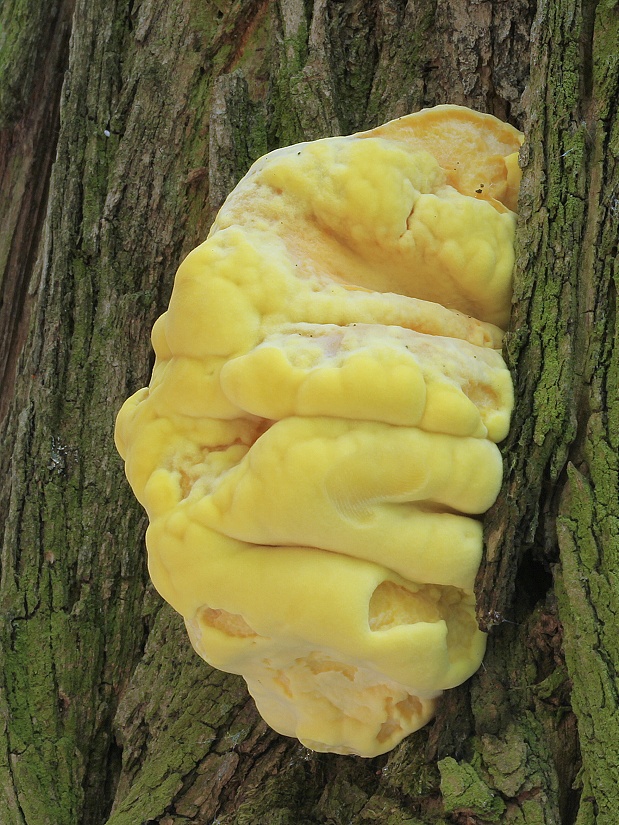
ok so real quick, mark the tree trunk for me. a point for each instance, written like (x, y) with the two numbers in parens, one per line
(123, 125)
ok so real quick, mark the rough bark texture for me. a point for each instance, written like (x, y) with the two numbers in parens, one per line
(123, 125)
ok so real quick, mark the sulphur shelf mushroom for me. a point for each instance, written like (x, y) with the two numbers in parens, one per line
(317, 443)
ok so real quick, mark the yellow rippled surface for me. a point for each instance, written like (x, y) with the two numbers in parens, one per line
(317, 444)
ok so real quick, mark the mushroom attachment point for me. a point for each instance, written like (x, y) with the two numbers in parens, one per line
(318, 441)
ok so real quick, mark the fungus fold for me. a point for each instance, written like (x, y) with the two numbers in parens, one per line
(318, 441)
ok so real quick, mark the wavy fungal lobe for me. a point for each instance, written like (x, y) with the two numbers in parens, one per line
(317, 443)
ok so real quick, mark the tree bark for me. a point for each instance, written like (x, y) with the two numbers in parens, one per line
(123, 125)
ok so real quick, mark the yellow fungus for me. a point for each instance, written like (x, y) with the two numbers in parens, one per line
(318, 440)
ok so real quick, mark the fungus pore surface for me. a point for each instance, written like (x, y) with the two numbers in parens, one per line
(317, 443)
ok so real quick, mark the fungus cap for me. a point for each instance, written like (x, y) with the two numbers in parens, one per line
(317, 443)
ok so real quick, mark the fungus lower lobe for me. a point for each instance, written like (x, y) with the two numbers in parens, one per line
(318, 441)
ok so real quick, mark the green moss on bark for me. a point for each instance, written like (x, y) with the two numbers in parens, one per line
(465, 792)
(22, 25)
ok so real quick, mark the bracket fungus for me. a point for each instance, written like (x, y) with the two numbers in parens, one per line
(319, 437)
